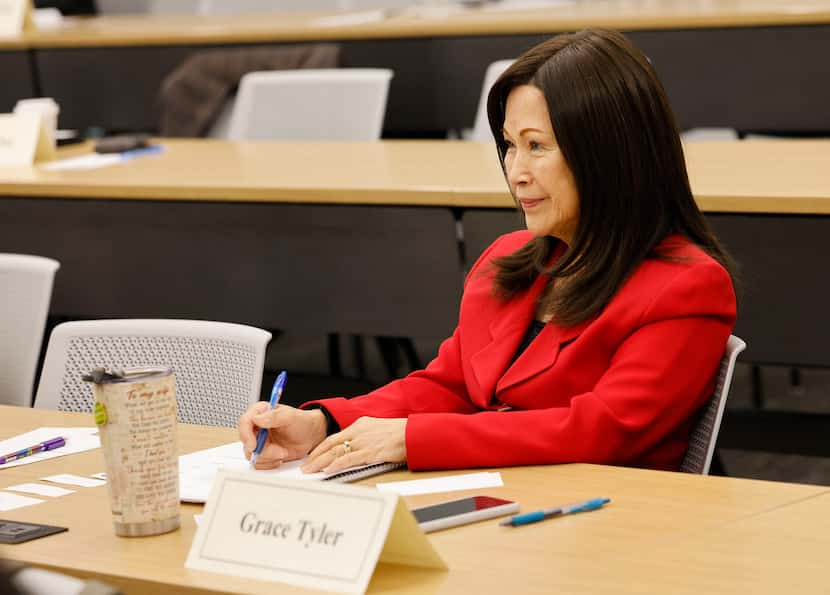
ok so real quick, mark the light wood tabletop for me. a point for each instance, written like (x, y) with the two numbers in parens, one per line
(758, 176)
(420, 21)
(649, 511)
(783, 550)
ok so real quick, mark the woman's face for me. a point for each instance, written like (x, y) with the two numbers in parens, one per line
(539, 177)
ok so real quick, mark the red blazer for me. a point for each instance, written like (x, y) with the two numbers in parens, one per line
(621, 389)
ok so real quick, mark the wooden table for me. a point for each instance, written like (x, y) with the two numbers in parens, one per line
(652, 514)
(760, 176)
(748, 65)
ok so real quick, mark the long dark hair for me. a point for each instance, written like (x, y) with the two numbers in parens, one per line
(616, 130)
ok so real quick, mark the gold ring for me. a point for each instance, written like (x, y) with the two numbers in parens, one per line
(347, 447)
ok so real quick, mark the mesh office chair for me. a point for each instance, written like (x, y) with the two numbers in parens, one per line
(334, 104)
(218, 365)
(481, 129)
(705, 432)
(26, 283)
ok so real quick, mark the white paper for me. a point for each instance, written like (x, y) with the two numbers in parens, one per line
(77, 440)
(91, 161)
(450, 483)
(101, 475)
(353, 18)
(11, 501)
(197, 518)
(197, 470)
(75, 480)
(40, 489)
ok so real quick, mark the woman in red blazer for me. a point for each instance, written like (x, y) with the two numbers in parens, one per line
(595, 335)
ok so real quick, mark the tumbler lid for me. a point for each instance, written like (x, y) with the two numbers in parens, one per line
(106, 376)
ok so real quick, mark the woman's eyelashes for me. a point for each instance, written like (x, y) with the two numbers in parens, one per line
(532, 145)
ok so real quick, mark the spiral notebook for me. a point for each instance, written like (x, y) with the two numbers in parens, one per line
(197, 470)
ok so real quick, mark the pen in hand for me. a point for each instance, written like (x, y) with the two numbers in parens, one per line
(50, 444)
(547, 513)
(262, 435)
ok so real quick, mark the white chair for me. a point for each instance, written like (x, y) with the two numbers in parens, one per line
(481, 129)
(695, 135)
(26, 283)
(218, 365)
(341, 104)
(705, 433)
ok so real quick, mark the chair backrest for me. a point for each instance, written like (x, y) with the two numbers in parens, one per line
(705, 432)
(481, 129)
(339, 104)
(26, 283)
(218, 365)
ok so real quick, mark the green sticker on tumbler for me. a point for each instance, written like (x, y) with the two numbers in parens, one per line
(100, 413)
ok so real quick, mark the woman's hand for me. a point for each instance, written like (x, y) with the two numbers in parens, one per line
(291, 432)
(368, 440)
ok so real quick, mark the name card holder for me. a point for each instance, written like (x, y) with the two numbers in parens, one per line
(23, 140)
(317, 535)
(15, 17)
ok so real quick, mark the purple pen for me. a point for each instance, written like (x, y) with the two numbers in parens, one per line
(50, 444)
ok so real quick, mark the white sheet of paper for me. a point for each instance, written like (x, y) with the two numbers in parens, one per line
(197, 470)
(101, 475)
(40, 489)
(74, 480)
(352, 18)
(91, 161)
(11, 501)
(450, 483)
(77, 440)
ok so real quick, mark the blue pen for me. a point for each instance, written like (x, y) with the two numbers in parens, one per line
(141, 151)
(547, 513)
(262, 435)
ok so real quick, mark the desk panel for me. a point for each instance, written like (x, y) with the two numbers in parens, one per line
(751, 78)
(784, 290)
(17, 79)
(783, 303)
(312, 268)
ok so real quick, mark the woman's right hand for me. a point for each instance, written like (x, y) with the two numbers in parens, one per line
(292, 433)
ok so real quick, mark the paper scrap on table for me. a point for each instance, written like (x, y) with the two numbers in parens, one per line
(77, 440)
(450, 483)
(40, 489)
(91, 161)
(198, 519)
(11, 501)
(101, 475)
(75, 480)
(353, 18)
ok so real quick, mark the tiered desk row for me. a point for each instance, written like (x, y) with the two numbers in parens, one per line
(746, 65)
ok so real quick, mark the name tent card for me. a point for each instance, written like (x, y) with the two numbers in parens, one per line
(23, 140)
(318, 535)
(15, 16)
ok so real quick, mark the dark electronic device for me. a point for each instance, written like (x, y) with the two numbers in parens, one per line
(461, 512)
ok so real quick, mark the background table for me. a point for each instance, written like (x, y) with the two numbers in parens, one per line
(747, 65)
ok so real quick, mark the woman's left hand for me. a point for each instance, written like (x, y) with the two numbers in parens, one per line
(368, 440)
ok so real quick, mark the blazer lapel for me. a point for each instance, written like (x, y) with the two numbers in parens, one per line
(540, 355)
(506, 331)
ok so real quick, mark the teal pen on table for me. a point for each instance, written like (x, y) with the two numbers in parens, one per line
(262, 435)
(549, 513)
